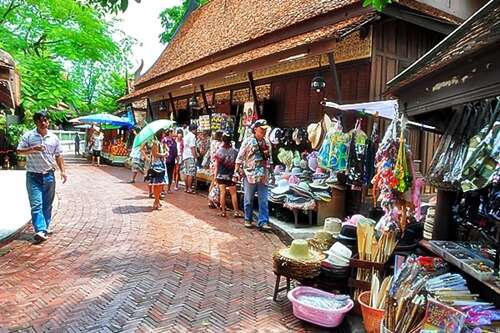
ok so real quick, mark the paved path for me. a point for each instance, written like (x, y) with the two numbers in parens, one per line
(113, 265)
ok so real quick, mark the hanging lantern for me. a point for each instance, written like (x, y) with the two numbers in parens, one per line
(193, 102)
(318, 83)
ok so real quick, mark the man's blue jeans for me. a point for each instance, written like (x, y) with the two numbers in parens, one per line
(41, 191)
(262, 192)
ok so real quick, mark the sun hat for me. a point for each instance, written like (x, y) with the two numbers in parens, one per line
(315, 134)
(296, 171)
(319, 185)
(336, 260)
(348, 231)
(282, 186)
(303, 164)
(312, 161)
(354, 219)
(333, 225)
(274, 136)
(327, 123)
(323, 236)
(340, 250)
(301, 189)
(299, 250)
(293, 180)
(322, 196)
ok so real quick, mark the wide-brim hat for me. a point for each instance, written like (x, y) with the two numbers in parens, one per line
(336, 260)
(332, 225)
(282, 187)
(315, 135)
(327, 123)
(312, 161)
(340, 250)
(301, 189)
(322, 196)
(319, 185)
(274, 136)
(299, 251)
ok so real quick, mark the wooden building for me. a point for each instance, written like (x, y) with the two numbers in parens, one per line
(9, 82)
(230, 51)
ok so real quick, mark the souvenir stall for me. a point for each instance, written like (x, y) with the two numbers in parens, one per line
(460, 99)
(208, 126)
(114, 148)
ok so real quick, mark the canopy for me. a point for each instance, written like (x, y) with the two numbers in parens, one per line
(150, 130)
(104, 118)
(385, 109)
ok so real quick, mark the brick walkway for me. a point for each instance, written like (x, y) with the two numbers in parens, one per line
(112, 265)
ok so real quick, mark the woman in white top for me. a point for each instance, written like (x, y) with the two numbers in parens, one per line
(97, 147)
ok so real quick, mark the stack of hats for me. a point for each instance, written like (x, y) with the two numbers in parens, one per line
(298, 261)
(300, 197)
(324, 239)
(320, 190)
(279, 192)
(338, 259)
(348, 236)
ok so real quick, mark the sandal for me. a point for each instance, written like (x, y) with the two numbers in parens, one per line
(222, 214)
(238, 215)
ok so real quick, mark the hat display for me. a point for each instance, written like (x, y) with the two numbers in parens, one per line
(285, 157)
(301, 189)
(333, 225)
(274, 136)
(299, 251)
(293, 179)
(312, 161)
(282, 186)
(319, 185)
(315, 135)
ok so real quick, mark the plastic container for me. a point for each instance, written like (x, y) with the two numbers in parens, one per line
(318, 316)
(371, 317)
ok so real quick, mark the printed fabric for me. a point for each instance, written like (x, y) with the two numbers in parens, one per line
(226, 159)
(41, 162)
(254, 157)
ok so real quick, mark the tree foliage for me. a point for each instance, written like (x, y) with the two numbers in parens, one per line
(377, 4)
(66, 55)
(110, 6)
(172, 17)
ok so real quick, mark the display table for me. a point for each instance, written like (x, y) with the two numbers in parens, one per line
(490, 284)
(114, 159)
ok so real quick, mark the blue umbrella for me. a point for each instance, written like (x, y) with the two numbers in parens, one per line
(105, 118)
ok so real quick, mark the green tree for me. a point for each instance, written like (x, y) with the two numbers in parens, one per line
(110, 6)
(172, 17)
(377, 4)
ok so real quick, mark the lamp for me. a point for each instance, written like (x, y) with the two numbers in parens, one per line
(193, 102)
(318, 82)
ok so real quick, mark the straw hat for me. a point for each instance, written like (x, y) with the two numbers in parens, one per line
(315, 134)
(300, 251)
(282, 187)
(333, 225)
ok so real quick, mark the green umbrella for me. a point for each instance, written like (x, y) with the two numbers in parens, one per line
(150, 130)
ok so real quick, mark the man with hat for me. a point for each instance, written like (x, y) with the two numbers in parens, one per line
(254, 159)
(43, 151)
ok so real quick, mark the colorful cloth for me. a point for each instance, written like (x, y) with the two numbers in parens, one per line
(188, 167)
(226, 159)
(255, 158)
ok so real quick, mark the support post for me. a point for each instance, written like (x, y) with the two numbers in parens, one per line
(150, 110)
(443, 219)
(252, 87)
(333, 69)
(204, 96)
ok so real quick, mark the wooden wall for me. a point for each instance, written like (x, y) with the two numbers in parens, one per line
(396, 44)
(298, 105)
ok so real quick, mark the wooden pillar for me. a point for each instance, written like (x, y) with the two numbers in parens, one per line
(443, 228)
(204, 96)
(172, 105)
(149, 110)
(333, 69)
(252, 87)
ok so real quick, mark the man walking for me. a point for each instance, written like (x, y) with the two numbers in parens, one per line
(189, 158)
(77, 144)
(254, 158)
(43, 151)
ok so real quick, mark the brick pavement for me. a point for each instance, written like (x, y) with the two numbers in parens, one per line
(113, 265)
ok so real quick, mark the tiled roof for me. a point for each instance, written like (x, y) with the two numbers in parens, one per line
(326, 32)
(429, 10)
(222, 24)
(480, 30)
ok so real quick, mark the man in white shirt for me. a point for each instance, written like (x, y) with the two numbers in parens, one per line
(189, 158)
(43, 151)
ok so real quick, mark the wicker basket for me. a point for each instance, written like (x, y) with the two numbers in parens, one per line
(296, 269)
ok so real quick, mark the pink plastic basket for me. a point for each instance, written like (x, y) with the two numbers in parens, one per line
(318, 316)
